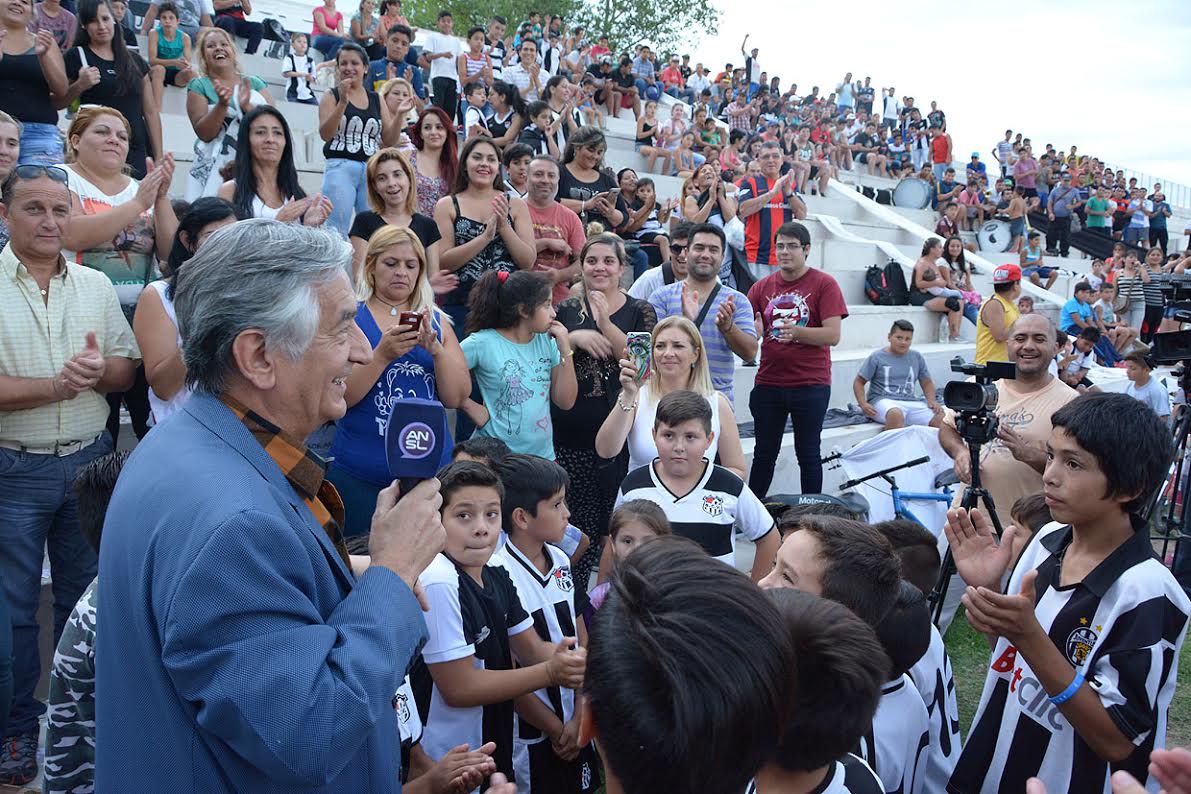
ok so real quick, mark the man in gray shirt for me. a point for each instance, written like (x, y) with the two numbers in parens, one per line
(1061, 202)
(893, 375)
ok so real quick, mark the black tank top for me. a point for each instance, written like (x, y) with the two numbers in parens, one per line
(24, 93)
(646, 132)
(358, 135)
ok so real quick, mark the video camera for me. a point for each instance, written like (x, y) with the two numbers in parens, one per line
(1174, 346)
(975, 402)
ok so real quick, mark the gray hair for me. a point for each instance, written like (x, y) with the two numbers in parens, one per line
(253, 274)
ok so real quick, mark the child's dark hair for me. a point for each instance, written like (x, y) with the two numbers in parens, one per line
(642, 511)
(655, 672)
(93, 486)
(528, 480)
(838, 676)
(1106, 423)
(489, 448)
(683, 406)
(201, 212)
(466, 473)
(905, 631)
(1140, 358)
(167, 7)
(471, 88)
(515, 152)
(535, 108)
(1060, 337)
(860, 569)
(917, 549)
(787, 515)
(1091, 333)
(501, 300)
(1032, 511)
(902, 325)
(645, 182)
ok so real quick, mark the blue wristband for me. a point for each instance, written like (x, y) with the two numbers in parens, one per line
(1070, 691)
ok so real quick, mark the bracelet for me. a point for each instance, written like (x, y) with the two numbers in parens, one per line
(623, 407)
(1070, 691)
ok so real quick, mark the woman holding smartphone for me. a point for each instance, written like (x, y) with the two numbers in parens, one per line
(414, 354)
(598, 320)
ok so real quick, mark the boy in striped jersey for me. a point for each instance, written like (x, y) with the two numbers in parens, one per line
(547, 754)
(1088, 630)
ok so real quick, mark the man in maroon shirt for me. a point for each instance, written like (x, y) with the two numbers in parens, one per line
(799, 311)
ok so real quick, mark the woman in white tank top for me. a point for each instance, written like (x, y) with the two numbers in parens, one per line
(156, 325)
(264, 181)
(678, 362)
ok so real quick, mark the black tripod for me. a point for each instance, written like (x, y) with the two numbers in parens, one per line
(1174, 524)
(976, 429)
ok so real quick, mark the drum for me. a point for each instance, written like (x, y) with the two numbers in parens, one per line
(994, 236)
(912, 193)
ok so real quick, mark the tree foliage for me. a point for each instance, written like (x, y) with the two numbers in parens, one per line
(663, 25)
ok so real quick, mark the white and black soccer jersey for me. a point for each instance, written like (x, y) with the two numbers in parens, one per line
(717, 505)
(465, 620)
(1122, 627)
(409, 722)
(933, 679)
(849, 775)
(896, 744)
(552, 601)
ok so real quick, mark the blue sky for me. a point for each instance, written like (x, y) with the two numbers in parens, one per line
(1110, 76)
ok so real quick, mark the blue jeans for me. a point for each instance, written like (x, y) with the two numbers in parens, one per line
(971, 312)
(41, 144)
(647, 91)
(939, 170)
(682, 93)
(328, 45)
(640, 261)
(5, 663)
(345, 183)
(805, 406)
(37, 508)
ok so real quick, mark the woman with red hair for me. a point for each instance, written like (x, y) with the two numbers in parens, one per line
(435, 157)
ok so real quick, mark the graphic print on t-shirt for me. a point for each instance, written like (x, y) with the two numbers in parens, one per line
(789, 308)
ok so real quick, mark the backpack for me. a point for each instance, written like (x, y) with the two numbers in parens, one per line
(886, 286)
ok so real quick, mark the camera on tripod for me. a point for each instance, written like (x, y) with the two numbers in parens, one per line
(975, 402)
(1174, 346)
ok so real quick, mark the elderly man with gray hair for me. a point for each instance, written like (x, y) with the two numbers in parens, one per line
(239, 651)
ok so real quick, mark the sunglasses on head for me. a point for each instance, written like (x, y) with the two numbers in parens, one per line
(33, 171)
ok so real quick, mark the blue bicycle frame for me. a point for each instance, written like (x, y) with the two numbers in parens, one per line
(900, 497)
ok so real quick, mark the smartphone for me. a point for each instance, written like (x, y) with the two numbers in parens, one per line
(411, 319)
(613, 194)
(640, 344)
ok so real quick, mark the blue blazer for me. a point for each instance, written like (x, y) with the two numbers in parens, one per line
(234, 649)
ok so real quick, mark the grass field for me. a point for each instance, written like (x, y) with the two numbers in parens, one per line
(970, 653)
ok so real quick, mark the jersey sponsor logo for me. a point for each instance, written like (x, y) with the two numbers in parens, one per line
(482, 635)
(585, 777)
(713, 505)
(1031, 695)
(562, 578)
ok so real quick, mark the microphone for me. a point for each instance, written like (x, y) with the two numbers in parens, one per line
(415, 439)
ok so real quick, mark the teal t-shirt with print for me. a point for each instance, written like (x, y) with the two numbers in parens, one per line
(514, 380)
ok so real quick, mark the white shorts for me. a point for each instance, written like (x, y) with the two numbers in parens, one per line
(916, 413)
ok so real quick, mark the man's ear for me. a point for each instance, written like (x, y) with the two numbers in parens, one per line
(254, 362)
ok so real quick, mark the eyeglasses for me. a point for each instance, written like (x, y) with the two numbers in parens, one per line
(676, 248)
(33, 171)
(780, 247)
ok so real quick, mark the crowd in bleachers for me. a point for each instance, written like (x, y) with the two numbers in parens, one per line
(468, 248)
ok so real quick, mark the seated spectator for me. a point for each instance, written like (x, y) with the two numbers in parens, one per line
(328, 34)
(266, 179)
(155, 322)
(216, 104)
(893, 376)
(929, 289)
(61, 23)
(674, 270)
(231, 15)
(169, 48)
(1075, 363)
(396, 63)
(1119, 334)
(298, 70)
(1077, 312)
(70, 713)
(946, 188)
(364, 29)
(649, 218)
(1144, 387)
(540, 128)
(124, 24)
(840, 670)
(971, 202)
(193, 16)
(654, 682)
(1032, 266)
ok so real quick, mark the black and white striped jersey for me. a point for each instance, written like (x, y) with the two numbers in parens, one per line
(1122, 627)
(552, 601)
(465, 620)
(895, 746)
(849, 775)
(933, 679)
(709, 513)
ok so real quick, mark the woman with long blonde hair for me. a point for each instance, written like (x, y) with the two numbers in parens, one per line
(678, 361)
(415, 354)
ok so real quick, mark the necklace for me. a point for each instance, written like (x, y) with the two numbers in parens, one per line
(392, 308)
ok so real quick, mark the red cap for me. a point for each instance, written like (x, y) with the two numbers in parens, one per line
(1007, 274)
